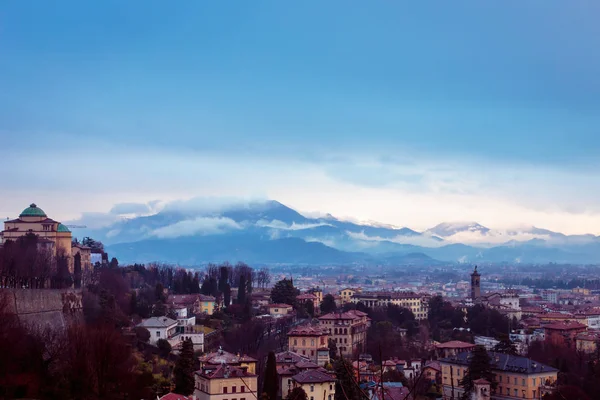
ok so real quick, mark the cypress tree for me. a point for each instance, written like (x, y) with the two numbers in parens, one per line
(479, 367)
(184, 369)
(271, 385)
(241, 296)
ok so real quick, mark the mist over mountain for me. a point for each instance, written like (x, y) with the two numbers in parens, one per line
(265, 231)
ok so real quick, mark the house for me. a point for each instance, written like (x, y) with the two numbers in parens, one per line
(225, 382)
(309, 298)
(586, 341)
(182, 316)
(221, 356)
(391, 391)
(432, 371)
(317, 384)
(279, 309)
(452, 348)
(289, 364)
(347, 329)
(174, 396)
(193, 333)
(347, 293)
(311, 341)
(518, 377)
(159, 328)
(563, 333)
(195, 303)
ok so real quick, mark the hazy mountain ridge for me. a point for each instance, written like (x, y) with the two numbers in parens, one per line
(270, 232)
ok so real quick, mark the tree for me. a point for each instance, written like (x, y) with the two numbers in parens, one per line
(142, 334)
(241, 296)
(184, 369)
(506, 346)
(77, 270)
(227, 295)
(328, 304)
(332, 349)
(479, 368)
(346, 387)
(271, 385)
(297, 393)
(114, 263)
(284, 292)
(164, 347)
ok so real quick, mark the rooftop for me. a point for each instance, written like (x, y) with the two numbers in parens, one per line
(33, 211)
(504, 362)
(158, 322)
(307, 330)
(313, 376)
(224, 372)
(224, 357)
(454, 344)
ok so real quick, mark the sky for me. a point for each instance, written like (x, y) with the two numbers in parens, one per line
(408, 113)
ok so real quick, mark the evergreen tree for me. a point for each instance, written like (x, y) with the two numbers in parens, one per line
(241, 295)
(479, 368)
(227, 296)
(505, 346)
(77, 270)
(271, 385)
(297, 393)
(333, 353)
(328, 304)
(184, 369)
(284, 292)
(346, 387)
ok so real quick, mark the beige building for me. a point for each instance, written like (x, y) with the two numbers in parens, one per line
(317, 384)
(310, 341)
(348, 330)
(52, 236)
(418, 304)
(225, 382)
(346, 294)
(280, 310)
(517, 377)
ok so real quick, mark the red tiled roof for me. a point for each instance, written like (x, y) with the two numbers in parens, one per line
(313, 376)
(307, 330)
(279, 305)
(174, 396)
(352, 314)
(224, 372)
(565, 326)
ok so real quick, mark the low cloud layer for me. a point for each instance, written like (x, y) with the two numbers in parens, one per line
(197, 226)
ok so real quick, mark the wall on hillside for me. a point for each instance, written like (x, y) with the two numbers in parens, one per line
(41, 308)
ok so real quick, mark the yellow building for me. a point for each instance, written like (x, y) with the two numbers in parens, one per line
(586, 341)
(517, 377)
(346, 294)
(317, 384)
(225, 382)
(52, 235)
(310, 341)
(348, 330)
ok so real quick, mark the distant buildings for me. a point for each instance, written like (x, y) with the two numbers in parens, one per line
(564, 333)
(280, 310)
(223, 381)
(452, 348)
(195, 303)
(159, 328)
(418, 304)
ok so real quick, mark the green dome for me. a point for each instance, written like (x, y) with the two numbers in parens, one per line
(62, 228)
(33, 211)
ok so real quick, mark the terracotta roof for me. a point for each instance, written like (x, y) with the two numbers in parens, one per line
(454, 344)
(224, 372)
(313, 376)
(565, 326)
(307, 330)
(307, 365)
(306, 296)
(481, 381)
(433, 365)
(352, 314)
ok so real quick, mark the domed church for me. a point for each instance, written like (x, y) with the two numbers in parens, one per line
(52, 235)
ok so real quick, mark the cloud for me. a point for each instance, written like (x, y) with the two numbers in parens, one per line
(424, 240)
(132, 208)
(277, 224)
(197, 226)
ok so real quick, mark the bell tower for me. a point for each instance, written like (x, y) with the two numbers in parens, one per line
(475, 285)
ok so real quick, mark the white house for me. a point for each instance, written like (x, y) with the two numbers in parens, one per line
(182, 317)
(159, 328)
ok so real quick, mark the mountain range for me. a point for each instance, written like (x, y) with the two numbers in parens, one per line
(271, 233)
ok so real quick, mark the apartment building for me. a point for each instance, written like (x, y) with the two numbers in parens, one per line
(347, 329)
(517, 377)
(225, 382)
(310, 341)
(417, 303)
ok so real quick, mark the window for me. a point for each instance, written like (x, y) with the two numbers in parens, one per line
(515, 380)
(312, 352)
(224, 389)
(330, 387)
(534, 394)
(242, 389)
(523, 382)
(533, 383)
(312, 342)
(295, 342)
(516, 392)
(303, 342)
(499, 389)
(312, 398)
(500, 379)
(157, 333)
(312, 388)
(233, 389)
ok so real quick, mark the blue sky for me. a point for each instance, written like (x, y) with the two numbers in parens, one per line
(407, 113)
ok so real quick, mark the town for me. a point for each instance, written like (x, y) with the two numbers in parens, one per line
(78, 324)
